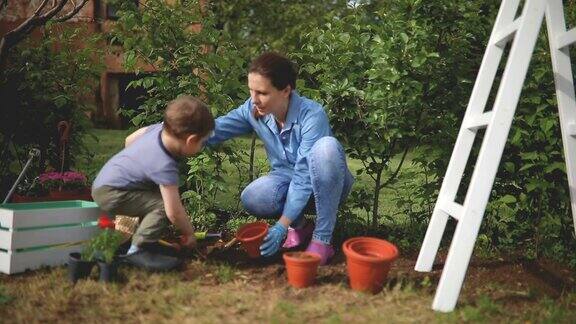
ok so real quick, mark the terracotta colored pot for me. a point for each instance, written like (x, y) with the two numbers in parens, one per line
(368, 261)
(251, 235)
(301, 268)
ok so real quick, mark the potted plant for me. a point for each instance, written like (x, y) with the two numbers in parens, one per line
(103, 248)
(69, 185)
(100, 249)
(80, 265)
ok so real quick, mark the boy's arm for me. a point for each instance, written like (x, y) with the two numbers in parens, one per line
(132, 137)
(176, 213)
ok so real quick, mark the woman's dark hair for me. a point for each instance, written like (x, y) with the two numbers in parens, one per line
(277, 68)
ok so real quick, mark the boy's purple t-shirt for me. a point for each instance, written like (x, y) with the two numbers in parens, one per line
(144, 164)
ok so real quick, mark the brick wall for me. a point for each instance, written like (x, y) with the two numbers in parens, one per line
(93, 16)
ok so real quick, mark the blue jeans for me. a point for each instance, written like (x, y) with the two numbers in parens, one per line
(331, 183)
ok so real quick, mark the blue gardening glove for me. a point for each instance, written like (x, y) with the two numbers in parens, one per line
(276, 234)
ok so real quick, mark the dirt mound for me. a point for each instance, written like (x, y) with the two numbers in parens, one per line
(506, 279)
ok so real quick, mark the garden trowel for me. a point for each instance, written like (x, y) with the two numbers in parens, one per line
(199, 236)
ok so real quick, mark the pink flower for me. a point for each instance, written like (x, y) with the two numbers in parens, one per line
(64, 180)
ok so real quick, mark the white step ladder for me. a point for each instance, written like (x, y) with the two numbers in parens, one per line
(522, 32)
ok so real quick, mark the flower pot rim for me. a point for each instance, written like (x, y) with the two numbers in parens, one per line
(77, 256)
(100, 261)
(248, 226)
(295, 258)
(351, 253)
(363, 238)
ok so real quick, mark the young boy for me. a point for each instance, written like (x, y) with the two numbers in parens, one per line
(142, 179)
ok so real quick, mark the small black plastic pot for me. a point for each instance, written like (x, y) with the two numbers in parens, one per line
(108, 271)
(78, 268)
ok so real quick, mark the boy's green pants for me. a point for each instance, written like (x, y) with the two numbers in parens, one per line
(147, 205)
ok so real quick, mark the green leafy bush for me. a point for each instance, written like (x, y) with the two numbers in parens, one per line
(187, 61)
(382, 71)
(46, 81)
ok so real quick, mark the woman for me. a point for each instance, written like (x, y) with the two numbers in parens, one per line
(307, 162)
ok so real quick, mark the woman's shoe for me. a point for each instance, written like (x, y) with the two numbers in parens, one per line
(325, 251)
(298, 236)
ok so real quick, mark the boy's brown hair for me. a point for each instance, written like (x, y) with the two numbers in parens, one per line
(186, 115)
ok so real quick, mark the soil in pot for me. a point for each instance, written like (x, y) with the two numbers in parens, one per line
(301, 268)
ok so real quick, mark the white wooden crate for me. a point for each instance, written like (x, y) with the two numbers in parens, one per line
(43, 234)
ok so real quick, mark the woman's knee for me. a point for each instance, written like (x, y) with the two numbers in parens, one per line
(327, 147)
(260, 199)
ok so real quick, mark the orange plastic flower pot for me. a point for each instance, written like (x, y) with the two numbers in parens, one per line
(301, 268)
(251, 236)
(368, 261)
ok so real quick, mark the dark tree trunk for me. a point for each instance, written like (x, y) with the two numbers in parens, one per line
(252, 153)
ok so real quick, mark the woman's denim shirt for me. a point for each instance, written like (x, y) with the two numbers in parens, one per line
(287, 149)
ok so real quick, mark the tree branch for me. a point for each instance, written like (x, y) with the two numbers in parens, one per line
(72, 12)
(39, 9)
(393, 176)
(34, 21)
(58, 5)
(37, 19)
(3, 4)
(366, 168)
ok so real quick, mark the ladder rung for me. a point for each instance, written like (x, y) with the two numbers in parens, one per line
(506, 33)
(568, 38)
(572, 129)
(480, 121)
(452, 208)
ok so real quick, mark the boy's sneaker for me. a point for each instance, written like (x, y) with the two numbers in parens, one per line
(325, 251)
(298, 236)
(152, 261)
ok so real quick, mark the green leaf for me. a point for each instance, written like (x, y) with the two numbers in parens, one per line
(60, 101)
(344, 37)
(404, 37)
(555, 166)
(508, 199)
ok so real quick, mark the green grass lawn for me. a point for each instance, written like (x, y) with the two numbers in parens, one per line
(239, 290)
(103, 144)
(230, 288)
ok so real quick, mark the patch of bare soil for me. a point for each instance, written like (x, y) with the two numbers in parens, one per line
(509, 280)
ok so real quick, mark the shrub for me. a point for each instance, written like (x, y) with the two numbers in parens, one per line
(40, 87)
